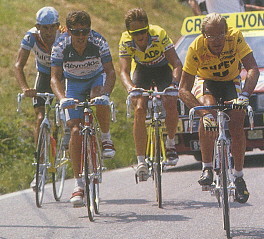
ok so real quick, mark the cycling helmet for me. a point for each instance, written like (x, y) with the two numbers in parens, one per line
(47, 15)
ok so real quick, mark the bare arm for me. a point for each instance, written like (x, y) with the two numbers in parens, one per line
(174, 60)
(20, 75)
(195, 7)
(250, 65)
(125, 68)
(56, 83)
(110, 77)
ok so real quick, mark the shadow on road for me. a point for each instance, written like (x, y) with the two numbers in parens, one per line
(248, 232)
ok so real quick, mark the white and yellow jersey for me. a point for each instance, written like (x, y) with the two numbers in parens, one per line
(153, 56)
(201, 62)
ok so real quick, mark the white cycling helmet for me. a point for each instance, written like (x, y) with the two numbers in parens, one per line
(47, 15)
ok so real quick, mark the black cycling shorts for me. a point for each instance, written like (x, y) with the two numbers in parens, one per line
(224, 90)
(145, 77)
(42, 85)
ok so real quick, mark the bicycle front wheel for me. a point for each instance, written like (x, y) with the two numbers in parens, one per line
(97, 168)
(88, 176)
(43, 151)
(157, 166)
(223, 153)
(60, 163)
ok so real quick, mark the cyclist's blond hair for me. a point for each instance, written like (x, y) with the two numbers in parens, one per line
(212, 18)
(135, 14)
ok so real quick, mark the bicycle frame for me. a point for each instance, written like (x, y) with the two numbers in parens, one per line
(223, 187)
(47, 158)
(155, 150)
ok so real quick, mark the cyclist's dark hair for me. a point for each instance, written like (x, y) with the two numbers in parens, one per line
(78, 17)
(135, 14)
(213, 18)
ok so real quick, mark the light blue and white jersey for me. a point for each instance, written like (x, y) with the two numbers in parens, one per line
(33, 41)
(84, 67)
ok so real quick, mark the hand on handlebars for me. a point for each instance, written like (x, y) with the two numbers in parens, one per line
(136, 92)
(67, 103)
(171, 91)
(239, 102)
(209, 122)
(101, 100)
(30, 92)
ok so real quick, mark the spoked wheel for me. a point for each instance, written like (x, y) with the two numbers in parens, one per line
(97, 170)
(89, 179)
(157, 167)
(43, 151)
(60, 164)
(225, 195)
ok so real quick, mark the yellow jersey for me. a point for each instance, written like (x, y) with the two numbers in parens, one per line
(201, 62)
(153, 56)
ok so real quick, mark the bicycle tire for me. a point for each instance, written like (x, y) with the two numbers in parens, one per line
(97, 169)
(157, 166)
(224, 182)
(59, 165)
(43, 151)
(89, 185)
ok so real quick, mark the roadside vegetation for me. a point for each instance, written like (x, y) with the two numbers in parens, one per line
(16, 129)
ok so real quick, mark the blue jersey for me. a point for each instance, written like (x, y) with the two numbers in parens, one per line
(33, 41)
(84, 67)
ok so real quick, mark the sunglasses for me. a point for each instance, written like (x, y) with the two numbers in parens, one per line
(140, 31)
(78, 32)
(213, 38)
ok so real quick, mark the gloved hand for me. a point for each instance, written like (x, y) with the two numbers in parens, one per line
(239, 102)
(101, 100)
(171, 90)
(136, 92)
(209, 122)
(67, 103)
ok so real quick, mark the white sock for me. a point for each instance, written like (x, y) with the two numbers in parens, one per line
(141, 159)
(79, 183)
(238, 173)
(207, 165)
(170, 143)
(106, 136)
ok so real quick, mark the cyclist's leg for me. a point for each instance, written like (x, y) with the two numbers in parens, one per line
(75, 89)
(42, 84)
(238, 147)
(162, 80)
(103, 116)
(206, 138)
(142, 79)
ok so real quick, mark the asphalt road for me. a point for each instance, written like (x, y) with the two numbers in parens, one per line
(130, 211)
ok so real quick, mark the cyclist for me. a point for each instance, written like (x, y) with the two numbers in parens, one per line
(83, 56)
(39, 39)
(147, 57)
(214, 58)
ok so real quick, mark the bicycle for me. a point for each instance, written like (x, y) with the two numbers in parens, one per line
(91, 156)
(155, 156)
(223, 186)
(51, 154)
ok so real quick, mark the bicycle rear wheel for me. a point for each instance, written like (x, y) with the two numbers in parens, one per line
(43, 151)
(225, 183)
(89, 180)
(60, 163)
(157, 166)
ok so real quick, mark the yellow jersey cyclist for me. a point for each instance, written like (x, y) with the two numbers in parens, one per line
(148, 58)
(215, 58)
